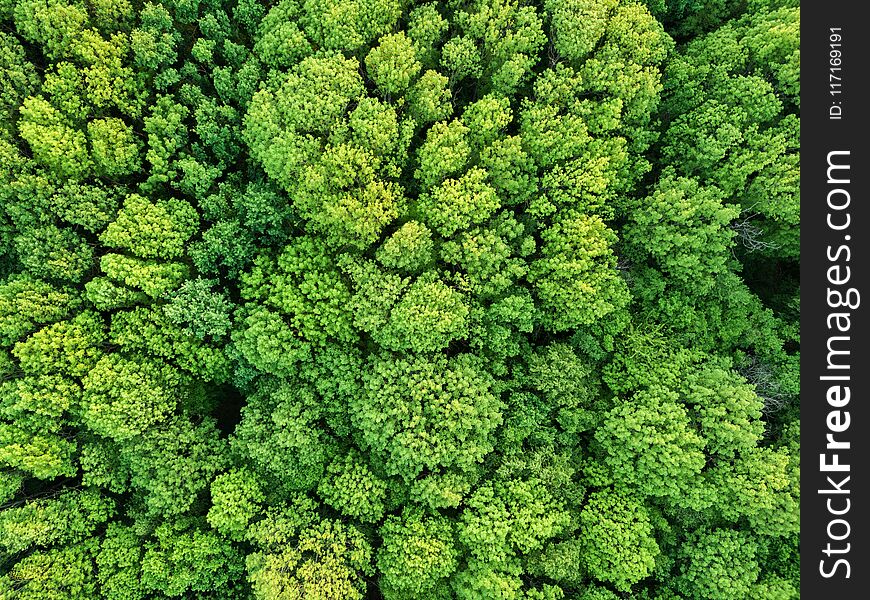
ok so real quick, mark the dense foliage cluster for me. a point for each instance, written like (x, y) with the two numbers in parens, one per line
(412, 300)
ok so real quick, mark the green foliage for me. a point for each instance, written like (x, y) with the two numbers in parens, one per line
(303, 286)
(442, 300)
(493, 258)
(748, 149)
(574, 279)
(348, 24)
(508, 519)
(649, 443)
(154, 278)
(199, 310)
(327, 562)
(567, 385)
(50, 252)
(280, 42)
(33, 439)
(392, 63)
(166, 135)
(10, 485)
(728, 411)
(68, 347)
(409, 248)
(351, 488)
(426, 414)
(102, 466)
(104, 294)
(185, 558)
(114, 148)
(26, 302)
(235, 496)
(456, 204)
(56, 146)
(424, 315)
(685, 228)
(147, 331)
(225, 248)
(617, 536)
(718, 564)
(306, 100)
(579, 25)
(89, 206)
(154, 41)
(59, 572)
(68, 518)
(444, 152)
(124, 397)
(119, 564)
(18, 80)
(429, 98)
(343, 197)
(280, 434)
(417, 556)
(157, 230)
(44, 456)
(172, 465)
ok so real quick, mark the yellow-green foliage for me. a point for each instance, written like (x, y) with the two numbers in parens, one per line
(436, 300)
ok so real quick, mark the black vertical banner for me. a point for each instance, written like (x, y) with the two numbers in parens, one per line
(835, 365)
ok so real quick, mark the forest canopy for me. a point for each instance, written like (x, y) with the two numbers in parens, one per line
(399, 299)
